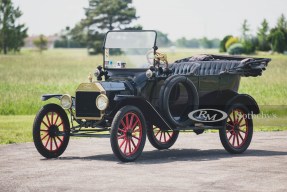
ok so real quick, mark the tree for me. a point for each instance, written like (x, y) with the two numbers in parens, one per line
(182, 42)
(282, 23)
(248, 42)
(41, 43)
(110, 14)
(236, 49)
(197, 43)
(162, 39)
(277, 40)
(136, 27)
(79, 34)
(205, 43)
(262, 36)
(71, 38)
(245, 30)
(231, 41)
(215, 43)
(282, 26)
(278, 35)
(222, 47)
(101, 16)
(249, 45)
(193, 43)
(12, 34)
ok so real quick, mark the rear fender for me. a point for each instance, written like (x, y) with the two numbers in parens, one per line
(246, 100)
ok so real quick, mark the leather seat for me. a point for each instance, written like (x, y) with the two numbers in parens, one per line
(216, 67)
(184, 68)
(203, 67)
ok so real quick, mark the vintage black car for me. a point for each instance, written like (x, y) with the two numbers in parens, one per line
(138, 93)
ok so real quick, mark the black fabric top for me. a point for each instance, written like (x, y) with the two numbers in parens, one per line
(215, 65)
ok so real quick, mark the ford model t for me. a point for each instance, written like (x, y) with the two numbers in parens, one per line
(137, 93)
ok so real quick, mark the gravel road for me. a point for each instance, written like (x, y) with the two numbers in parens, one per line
(194, 163)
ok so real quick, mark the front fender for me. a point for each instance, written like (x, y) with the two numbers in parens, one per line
(57, 96)
(246, 100)
(49, 96)
(151, 115)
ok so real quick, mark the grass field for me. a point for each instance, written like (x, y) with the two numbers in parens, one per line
(26, 76)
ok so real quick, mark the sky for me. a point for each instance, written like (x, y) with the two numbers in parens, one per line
(177, 18)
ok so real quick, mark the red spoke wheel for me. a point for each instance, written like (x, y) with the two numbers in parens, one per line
(161, 139)
(128, 133)
(236, 135)
(51, 131)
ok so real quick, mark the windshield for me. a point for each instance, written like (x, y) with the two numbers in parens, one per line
(129, 49)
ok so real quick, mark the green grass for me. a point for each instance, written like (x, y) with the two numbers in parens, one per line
(26, 76)
(16, 129)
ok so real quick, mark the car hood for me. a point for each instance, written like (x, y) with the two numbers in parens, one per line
(114, 86)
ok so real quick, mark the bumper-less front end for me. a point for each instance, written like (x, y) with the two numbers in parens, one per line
(91, 101)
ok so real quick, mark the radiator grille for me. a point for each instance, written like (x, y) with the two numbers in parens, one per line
(86, 104)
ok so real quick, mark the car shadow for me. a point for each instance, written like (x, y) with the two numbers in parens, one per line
(172, 155)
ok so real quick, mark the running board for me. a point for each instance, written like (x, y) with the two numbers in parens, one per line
(197, 127)
(94, 130)
(90, 135)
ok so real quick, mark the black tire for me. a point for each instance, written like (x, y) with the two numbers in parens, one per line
(161, 139)
(164, 95)
(51, 130)
(128, 133)
(237, 131)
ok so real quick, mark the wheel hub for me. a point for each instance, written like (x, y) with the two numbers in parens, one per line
(236, 127)
(53, 130)
(129, 133)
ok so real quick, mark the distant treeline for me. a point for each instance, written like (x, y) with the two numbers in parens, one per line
(65, 43)
(198, 43)
(162, 41)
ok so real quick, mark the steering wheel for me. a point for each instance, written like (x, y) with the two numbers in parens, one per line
(150, 56)
(158, 57)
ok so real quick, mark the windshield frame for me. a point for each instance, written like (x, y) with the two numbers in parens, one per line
(137, 31)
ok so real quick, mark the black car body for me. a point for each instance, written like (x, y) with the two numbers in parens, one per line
(157, 98)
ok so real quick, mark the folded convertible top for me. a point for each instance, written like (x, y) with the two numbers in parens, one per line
(217, 64)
